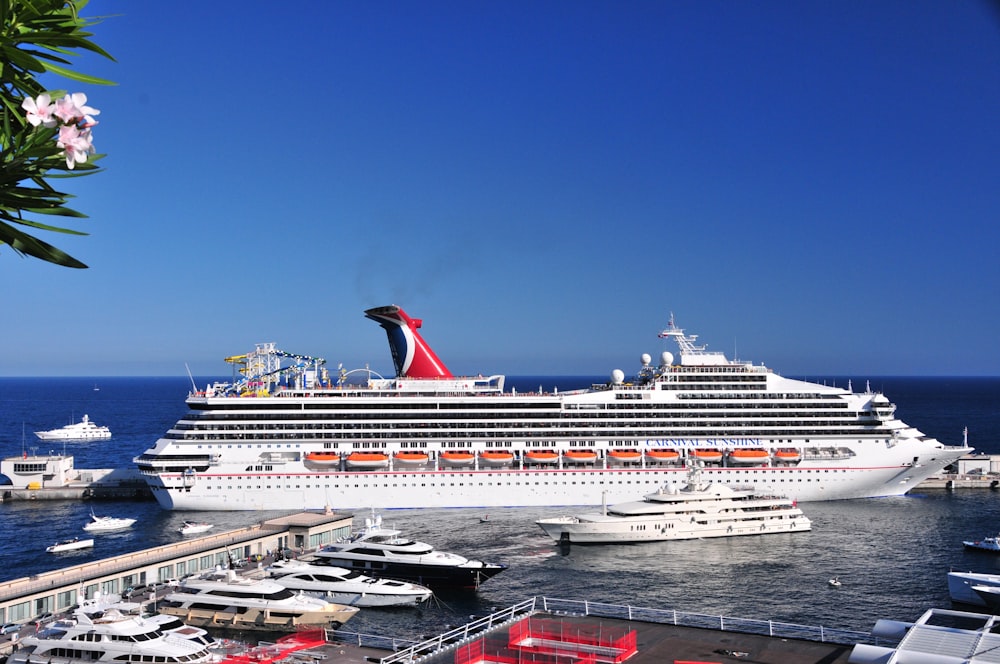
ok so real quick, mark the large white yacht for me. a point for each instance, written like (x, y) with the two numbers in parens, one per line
(82, 430)
(699, 510)
(385, 553)
(286, 434)
(222, 599)
(99, 633)
(345, 586)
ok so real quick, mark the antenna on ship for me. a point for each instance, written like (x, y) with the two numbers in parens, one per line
(194, 388)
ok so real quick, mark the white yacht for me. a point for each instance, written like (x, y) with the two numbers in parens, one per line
(222, 599)
(107, 524)
(386, 553)
(287, 435)
(699, 510)
(83, 430)
(345, 586)
(99, 633)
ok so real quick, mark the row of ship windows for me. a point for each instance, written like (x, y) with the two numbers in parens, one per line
(395, 485)
(719, 431)
(564, 419)
(527, 426)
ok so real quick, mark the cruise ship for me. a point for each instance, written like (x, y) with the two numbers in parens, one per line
(286, 433)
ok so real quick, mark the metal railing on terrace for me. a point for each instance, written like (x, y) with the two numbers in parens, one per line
(407, 651)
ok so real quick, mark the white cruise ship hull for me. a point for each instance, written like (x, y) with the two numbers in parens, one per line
(253, 444)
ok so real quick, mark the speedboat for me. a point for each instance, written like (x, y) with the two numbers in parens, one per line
(193, 528)
(701, 509)
(70, 545)
(345, 586)
(991, 544)
(222, 599)
(99, 633)
(834, 582)
(83, 430)
(386, 554)
(107, 524)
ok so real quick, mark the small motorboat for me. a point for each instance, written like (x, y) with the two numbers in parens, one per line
(991, 544)
(834, 582)
(107, 524)
(70, 545)
(193, 528)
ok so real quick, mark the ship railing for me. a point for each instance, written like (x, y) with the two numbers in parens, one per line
(414, 652)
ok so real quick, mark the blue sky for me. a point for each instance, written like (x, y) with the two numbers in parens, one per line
(811, 185)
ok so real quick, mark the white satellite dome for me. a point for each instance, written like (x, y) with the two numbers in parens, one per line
(645, 359)
(666, 358)
(617, 376)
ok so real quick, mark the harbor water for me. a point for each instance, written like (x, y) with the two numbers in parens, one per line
(891, 554)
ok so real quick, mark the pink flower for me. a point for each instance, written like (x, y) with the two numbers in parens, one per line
(76, 143)
(72, 108)
(39, 112)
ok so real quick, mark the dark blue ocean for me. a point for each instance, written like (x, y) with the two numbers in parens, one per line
(891, 554)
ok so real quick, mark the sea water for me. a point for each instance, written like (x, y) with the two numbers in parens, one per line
(890, 554)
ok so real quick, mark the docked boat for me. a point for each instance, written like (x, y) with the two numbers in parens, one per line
(991, 544)
(542, 456)
(222, 599)
(707, 455)
(961, 587)
(408, 458)
(73, 544)
(580, 456)
(386, 554)
(750, 457)
(323, 458)
(293, 410)
(461, 458)
(494, 458)
(107, 524)
(82, 430)
(367, 460)
(699, 510)
(663, 456)
(195, 527)
(98, 633)
(345, 586)
(618, 456)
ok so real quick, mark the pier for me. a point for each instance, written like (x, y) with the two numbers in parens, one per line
(24, 600)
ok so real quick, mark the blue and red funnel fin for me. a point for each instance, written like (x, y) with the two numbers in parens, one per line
(410, 353)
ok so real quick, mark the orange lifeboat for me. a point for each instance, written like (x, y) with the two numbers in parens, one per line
(457, 458)
(541, 456)
(787, 455)
(663, 456)
(625, 456)
(409, 458)
(749, 456)
(707, 455)
(367, 460)
(495, 458)
(580, 456)
(323, 458)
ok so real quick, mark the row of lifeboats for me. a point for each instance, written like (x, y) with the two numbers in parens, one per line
(500, 458)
